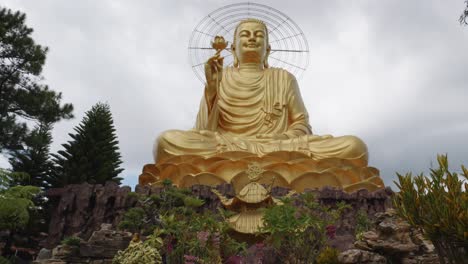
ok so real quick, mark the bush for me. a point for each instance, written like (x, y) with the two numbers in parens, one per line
(438, 205)
(133, 220)
(186, 230)
(299, 233)
(328, 256)
(71, 241)
(363, 223)
(4, 260)
(141, 252)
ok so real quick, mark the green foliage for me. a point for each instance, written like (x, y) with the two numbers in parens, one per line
(4, 260)
(133, 220)
(71, 241)
(7, 178)
(328, 256)
(141, 252)
(93, 154)
(22, 97)
(438, 205)
(363, 223)
(187, 230)
(15, 205)
(463, 17)
(298, 233)
(33, 159)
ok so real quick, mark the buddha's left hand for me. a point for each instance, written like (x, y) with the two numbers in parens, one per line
(272, 136)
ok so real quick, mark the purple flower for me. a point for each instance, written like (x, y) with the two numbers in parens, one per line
(331, 231)
(260, 245)
(234, 260)
(202, 236)
(189, 259)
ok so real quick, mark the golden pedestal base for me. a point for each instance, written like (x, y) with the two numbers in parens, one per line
(294, 170)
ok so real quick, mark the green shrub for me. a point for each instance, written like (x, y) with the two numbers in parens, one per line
(4, 260)
(133, 220)
(186, 229)
(438, 205)
(138, 252)
(328, 255)
(71, 241)
(363, 223)
(298, 233)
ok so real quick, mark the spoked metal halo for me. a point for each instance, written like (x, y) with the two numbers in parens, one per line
(289, 47)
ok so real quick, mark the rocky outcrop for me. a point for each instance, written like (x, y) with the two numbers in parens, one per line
(352, 256)
(101, 248)
(105, 243)
(82, 208)
(393, 239)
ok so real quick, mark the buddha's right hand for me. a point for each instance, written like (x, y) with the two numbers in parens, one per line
(214, 72)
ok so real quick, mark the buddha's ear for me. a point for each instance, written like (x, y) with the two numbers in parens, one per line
(235, 63)
(265, 61)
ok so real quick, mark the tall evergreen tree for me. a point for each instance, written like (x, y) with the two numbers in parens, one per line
(464, 16)
(34, 158)
(93, 153)
(22, 96)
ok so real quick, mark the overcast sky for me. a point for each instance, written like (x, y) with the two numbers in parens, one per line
(393, 72)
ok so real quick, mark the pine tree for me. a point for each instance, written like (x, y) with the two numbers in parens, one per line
(464, 16)
(93, 154)
(22, 96)
(34, 158)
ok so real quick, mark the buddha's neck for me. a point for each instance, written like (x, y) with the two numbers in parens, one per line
(250, 67)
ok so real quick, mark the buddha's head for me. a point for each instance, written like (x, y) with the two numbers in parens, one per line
(250, 43)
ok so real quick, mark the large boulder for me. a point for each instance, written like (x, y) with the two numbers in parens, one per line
(99, 249)
(352, 256)
(395, 239)
(82, 208)
(105, 243)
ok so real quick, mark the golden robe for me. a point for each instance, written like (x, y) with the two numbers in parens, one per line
(248, 104)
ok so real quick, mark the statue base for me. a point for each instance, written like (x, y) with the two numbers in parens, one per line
(293, 170)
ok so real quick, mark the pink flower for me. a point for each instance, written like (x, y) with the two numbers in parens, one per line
(234, 260)
(189, 259)
(331, 231)
(202, 236)
(169, 246)
(260, 245)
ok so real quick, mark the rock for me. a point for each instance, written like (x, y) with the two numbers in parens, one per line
(396, 240)
(105, 243)
(84, 207)
(360, 256)
(99, 249)
(64, 251)
(422, 259)
(44, 253)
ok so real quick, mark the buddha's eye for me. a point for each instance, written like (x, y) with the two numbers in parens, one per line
(259, 34)
(244, 34)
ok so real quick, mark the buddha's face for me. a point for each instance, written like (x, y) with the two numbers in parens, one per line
(251, 44)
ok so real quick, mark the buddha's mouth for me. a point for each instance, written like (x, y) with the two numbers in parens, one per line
(251, 45)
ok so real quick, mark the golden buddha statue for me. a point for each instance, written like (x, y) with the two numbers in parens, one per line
(251, 113)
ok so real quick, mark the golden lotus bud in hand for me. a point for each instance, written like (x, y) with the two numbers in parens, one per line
(219, 43)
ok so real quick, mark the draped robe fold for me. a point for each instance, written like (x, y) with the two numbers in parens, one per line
(249, 104)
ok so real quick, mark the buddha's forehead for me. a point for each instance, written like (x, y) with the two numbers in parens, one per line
(250, 26)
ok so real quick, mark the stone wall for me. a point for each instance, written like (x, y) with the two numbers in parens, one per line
(81, 209)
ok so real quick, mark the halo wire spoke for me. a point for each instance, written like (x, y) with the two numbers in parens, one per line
(287, 41)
